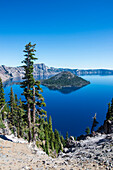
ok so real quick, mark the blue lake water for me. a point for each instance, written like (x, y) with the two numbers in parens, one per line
(73, 111)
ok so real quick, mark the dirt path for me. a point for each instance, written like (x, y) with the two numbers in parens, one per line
(18, 156)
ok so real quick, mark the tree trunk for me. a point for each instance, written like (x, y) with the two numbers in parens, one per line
(34, 136)
(29, 121)
(2, 115)
(2, 112)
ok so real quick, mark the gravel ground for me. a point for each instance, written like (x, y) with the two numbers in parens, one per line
(18, 156)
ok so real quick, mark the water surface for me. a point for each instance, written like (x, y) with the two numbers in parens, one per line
(73, 112)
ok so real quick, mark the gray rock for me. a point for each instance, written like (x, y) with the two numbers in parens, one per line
(15, 131)
(70, 143)
(72, 138)
(5, 131)
(65, 150)
(1, 131)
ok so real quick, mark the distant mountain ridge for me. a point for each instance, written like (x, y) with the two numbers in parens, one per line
(43, 70)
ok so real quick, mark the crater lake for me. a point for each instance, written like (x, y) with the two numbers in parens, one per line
(73, 111)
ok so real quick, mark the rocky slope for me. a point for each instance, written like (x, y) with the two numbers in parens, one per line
(95, 153)
(98, 149)
(65, 80)
(43, 70)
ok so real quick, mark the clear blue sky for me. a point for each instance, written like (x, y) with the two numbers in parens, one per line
(68, 33)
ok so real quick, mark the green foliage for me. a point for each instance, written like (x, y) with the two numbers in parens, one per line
(47, 142)
(29, 117)
(50, 124)
(75, 138)
(12, 105)
(94, 123)
(87, 130)
(109, 115)
(16, 114)
(64, 79)
(63, 141)
(1, 124)
(28, 83)
(32, 89)
(50, 131)
(58, 144)
(42, 131)
(43, 146)
(20, 114)
(2, 99)
(52, 140)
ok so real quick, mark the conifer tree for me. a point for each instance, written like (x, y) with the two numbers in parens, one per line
(109, 113)
(75, 138)
(47, 142)
(2, 99)
(50, 130)
(41, 132)
(67, 136)
(94, 123)
(32, 90)
(63, 141)
(50, 124)
(16, 100)
(11, 104)
(29, 81)
(52, 140)
(19, 116)
(15, 110)
(38, 104)
(58, 144)
(87, 130)
(112, 105)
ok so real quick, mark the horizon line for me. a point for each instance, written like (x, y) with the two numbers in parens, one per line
(87, 68)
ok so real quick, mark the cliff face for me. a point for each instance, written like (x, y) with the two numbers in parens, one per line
(43, 70)
(10, 72)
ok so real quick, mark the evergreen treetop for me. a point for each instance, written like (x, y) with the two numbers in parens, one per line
(2, 98)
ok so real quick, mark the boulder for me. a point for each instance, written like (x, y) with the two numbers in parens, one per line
(1, 131)
(72, 138)
(6, 130)
(71, 142)
(108, 126)
(65, 150)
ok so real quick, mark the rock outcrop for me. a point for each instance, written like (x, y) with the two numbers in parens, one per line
(107, 127)
(97, 149)
(5, 130)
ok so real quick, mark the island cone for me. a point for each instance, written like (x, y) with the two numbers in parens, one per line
(65, 79)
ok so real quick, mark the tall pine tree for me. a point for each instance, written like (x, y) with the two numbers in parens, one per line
(109, 113)
(29, 81)
(2, 99)
(32, 89)
(94, 123)
(12, 105)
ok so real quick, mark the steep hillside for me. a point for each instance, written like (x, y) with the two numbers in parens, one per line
(94, 153)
